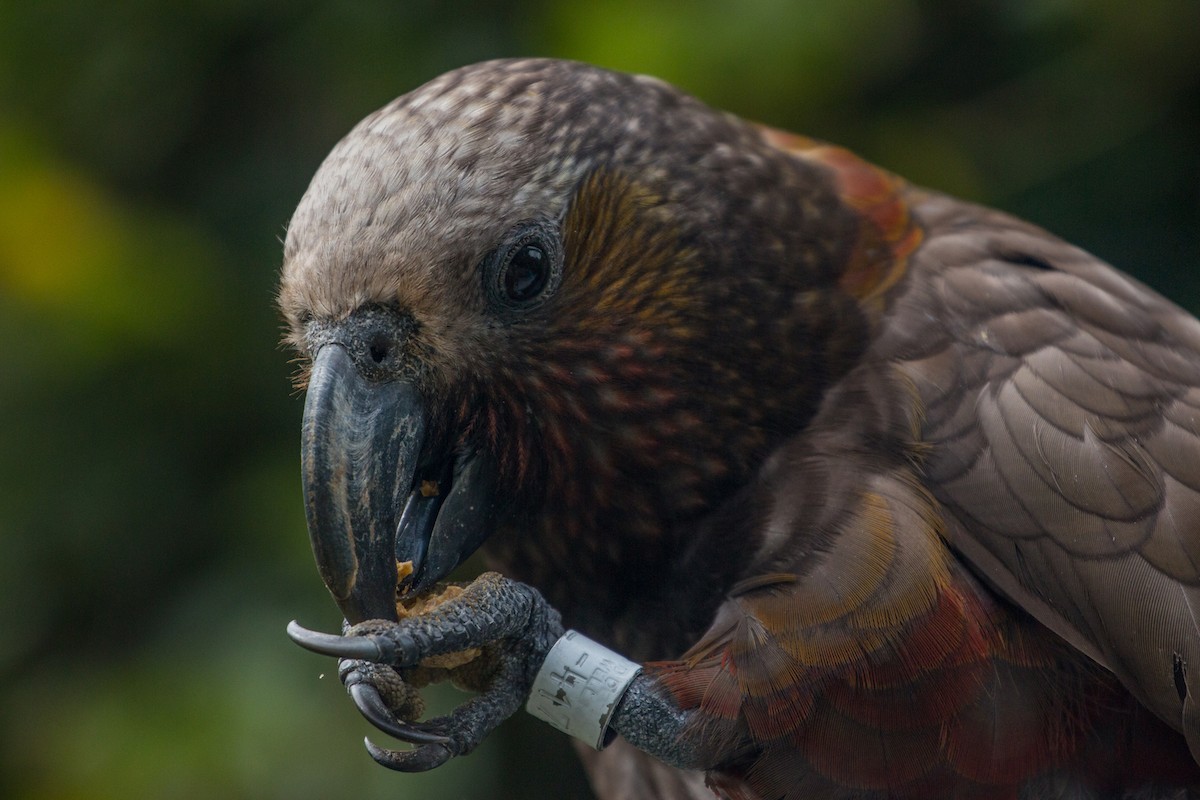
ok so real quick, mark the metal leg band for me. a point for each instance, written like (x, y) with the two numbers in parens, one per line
(579, 686)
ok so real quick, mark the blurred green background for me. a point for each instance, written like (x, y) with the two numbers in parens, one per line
(152, 541)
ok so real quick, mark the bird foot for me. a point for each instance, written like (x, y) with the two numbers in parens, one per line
(381, 663)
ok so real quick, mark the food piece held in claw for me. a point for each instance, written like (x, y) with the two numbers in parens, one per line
(417, 605)
(471, 669)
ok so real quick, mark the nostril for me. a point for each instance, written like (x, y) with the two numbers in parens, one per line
(379, 349)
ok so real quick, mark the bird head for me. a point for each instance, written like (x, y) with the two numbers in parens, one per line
(540, 296)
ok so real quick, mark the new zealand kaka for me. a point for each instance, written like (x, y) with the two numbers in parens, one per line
(890, 495)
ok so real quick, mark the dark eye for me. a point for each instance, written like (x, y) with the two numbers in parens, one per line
(526, 268)
(527, 272)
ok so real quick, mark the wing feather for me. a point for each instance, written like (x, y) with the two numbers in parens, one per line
(1068, 463)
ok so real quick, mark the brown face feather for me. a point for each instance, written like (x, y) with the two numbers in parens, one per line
(630, 404)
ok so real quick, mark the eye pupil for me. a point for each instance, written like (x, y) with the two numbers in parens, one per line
(526, 274)
(524, 270)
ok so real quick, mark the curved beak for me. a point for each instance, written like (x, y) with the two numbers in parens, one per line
(373, 494)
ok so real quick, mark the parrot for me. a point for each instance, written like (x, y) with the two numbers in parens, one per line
(861, 490)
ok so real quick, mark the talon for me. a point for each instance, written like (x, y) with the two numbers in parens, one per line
(370, 704)
(420, 759)
(359, 647)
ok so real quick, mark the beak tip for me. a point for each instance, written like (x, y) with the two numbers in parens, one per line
(358, 609)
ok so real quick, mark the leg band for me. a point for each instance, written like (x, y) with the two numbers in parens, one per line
(579, 686)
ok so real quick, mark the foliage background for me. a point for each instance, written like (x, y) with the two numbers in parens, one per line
(152, 541)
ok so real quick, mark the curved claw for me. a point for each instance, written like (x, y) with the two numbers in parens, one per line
(420, 759)
(370, 704)
(327, 644)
